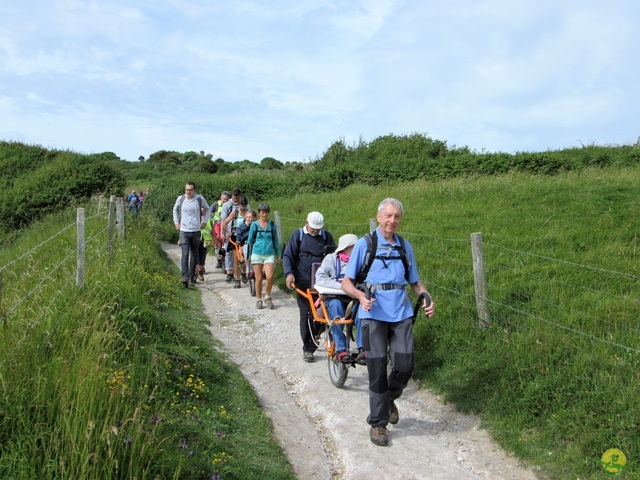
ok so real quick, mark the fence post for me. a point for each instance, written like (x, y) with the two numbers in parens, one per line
(81, 246)
(372, 225)
(480, 280)
(278, 220)
(120, 217)
(112, 211)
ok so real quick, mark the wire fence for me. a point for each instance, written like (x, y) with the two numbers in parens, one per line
(527, 293)
(33, 283)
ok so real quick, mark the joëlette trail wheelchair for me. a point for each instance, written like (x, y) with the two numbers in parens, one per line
(242, 265)
(338, 371)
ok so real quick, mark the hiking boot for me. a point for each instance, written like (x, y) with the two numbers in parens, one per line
(307, 356)
(236, 284)
(185, 284)
(192, 282)
(201, 275)
(394, 416)
(268, 302)
(378, 436)
(229, 278)
(259, 304)
(245, 279)
(361, 359)
(219, 264)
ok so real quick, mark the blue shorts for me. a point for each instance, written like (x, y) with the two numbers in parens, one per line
(257, 259)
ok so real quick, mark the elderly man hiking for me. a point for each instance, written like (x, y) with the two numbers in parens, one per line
(386, 314)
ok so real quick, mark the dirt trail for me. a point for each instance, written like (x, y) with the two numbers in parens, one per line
(321, 428)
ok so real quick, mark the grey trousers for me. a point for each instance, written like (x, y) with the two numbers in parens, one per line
(189, 243)
(377, 336)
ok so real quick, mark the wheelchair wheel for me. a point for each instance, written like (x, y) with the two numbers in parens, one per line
(338, 371)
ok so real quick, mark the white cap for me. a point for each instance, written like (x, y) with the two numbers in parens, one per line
(346, 241)
(315, 220)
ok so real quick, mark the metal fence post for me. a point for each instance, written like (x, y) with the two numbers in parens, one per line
(480, 280)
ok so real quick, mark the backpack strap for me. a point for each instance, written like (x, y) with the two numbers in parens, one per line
(370, 257)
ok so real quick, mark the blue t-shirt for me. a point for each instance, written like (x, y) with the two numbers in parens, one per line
(390, 305)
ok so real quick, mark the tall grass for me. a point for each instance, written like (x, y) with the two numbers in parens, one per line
(120, 378)
(556, 376)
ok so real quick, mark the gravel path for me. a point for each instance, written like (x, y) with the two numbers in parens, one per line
(321, 428)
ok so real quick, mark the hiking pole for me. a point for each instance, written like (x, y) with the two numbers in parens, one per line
(416, 310)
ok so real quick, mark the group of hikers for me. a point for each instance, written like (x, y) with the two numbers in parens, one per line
(375, 270)
(135, 201)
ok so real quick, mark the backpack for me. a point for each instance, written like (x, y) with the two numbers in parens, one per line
(322, 232)
(270, 229)
(182, 197)
(370, 256)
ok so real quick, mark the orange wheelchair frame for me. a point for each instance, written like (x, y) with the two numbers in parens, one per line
(338, 371)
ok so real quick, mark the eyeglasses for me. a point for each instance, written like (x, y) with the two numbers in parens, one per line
(188, 189)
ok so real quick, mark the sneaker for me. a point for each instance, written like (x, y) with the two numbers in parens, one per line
(268, 302)
(192, 282)
(201, 275)
(344, 357)
(361, 359)
(229, 278)
(378, 436)
(307, 356)
(236, 284)
(394, 416)
(259, 304)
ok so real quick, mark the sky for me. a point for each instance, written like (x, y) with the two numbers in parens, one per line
(249, 79)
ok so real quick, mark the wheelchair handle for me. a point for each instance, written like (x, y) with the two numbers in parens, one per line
(421, 297)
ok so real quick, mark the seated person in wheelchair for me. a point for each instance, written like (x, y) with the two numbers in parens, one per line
(330, 275)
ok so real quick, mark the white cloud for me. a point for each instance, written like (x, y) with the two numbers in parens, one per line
(252, 79)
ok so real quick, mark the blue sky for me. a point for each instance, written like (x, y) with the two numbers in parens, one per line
(246, 79)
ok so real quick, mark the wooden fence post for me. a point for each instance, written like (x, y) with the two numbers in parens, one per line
(80, 248)
(480, 280)
(278, 221)
(120, 217)
(112, 211)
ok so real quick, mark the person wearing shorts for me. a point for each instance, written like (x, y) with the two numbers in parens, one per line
(265, 251)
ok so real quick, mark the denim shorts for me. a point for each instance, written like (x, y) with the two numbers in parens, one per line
(262, 259)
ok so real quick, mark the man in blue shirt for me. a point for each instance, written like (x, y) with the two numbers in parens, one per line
(387, 316)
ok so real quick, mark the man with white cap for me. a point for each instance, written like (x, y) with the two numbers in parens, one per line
(306, 246)
(329, 276)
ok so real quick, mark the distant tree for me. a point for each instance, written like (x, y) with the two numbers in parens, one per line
(271, 163)
(141, 158)
(163, 156)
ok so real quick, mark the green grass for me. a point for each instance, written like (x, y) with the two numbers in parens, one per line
(556, 376)
(120, 378)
